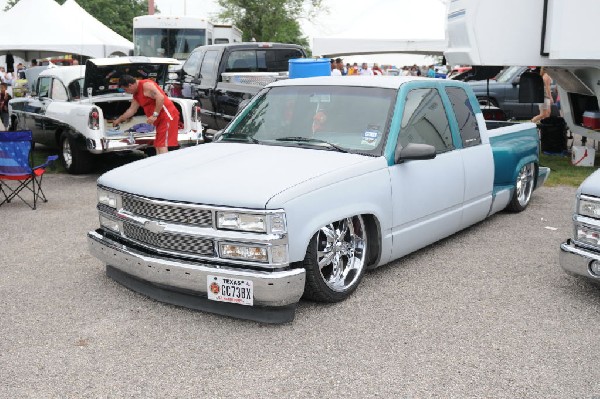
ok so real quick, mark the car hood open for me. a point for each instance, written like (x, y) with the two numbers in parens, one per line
(239, 175)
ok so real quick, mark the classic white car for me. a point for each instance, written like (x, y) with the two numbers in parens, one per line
(314, 182)
(74, 106)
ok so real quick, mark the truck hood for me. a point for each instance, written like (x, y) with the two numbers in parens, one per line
(232, 174)
(591, 185)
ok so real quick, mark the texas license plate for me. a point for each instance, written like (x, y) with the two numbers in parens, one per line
(232, 290)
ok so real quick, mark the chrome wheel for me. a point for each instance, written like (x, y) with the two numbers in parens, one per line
(525, 182)
(524, 185)
(341, 252)
(67, 153)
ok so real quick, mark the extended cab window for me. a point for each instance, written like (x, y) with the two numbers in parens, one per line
(424, 121)
(467, 124)
(261, 60)
(192, 64)
(207, 70)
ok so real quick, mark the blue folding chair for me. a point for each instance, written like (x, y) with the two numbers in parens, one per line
(16, 162)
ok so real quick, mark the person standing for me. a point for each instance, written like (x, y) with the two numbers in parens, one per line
(4, 99)
(334, 69)
(158, 108)
(365, 70)
(546, 106)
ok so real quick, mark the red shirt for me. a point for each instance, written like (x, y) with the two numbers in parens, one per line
(149, 104)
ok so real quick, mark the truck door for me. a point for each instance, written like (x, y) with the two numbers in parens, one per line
(200, 81)
(477, 158)
(427, 195)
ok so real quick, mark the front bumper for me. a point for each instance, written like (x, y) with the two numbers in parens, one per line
(138, 141)
(184, 283)
(576, 261)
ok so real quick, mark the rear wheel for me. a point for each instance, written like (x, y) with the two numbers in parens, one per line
(523, 188)
(335, 260)
(75, 159)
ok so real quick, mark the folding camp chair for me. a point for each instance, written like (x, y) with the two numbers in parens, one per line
(16, 165)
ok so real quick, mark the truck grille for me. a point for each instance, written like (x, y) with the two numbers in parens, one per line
(168, 213)
(170, 241)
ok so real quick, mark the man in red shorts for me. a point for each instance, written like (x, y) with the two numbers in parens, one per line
(157, 106)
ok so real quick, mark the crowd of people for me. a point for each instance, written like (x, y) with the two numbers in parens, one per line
(338, 68)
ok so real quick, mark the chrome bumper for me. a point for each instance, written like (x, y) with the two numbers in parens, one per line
(576, 260)
(159, 275)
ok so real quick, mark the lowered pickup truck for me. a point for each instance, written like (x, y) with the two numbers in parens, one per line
(221, 76)
(74, 107)
(315, 181)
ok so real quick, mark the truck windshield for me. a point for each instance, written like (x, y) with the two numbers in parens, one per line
(508, 74)
(352, 119)
(173, 43)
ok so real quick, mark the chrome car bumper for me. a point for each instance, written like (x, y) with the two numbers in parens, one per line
(576, 261)
(184, 283)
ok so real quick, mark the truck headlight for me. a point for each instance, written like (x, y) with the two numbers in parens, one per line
(267, 223)
(243, 252)
(108, 198)
(110, 224)
(587, 235)
(589, 207)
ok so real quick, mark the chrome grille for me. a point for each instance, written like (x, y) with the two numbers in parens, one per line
(169, 213)
(170, 241)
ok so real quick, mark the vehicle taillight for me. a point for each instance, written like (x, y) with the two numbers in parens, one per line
(196, 113)
(94, 119)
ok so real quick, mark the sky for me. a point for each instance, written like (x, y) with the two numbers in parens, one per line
(383, 19)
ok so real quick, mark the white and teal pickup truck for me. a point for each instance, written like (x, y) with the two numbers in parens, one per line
(73, 108)
(314, 182)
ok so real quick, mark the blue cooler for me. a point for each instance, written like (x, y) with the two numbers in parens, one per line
(309, 67)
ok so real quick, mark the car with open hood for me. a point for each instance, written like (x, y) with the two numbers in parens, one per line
(73, 107)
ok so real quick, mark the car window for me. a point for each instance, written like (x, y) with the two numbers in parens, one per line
(207, 70)
(425, 121)
(59, 92)
(467, 124)
(75, 88)
(261, 60)
(191, 66)
(44, 84)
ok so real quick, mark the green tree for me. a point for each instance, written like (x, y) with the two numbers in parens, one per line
(116, 14)
(270, 20)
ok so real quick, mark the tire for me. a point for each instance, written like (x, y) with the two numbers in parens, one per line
(335, 260)
(523, 188)
(75, 159)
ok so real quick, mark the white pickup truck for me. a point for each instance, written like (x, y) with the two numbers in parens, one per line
(74, 106)
(314, 182)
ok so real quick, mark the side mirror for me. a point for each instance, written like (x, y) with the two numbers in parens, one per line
(414, 152)
(218, 135)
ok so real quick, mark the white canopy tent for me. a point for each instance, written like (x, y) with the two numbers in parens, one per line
(42, 28)
(115, 44)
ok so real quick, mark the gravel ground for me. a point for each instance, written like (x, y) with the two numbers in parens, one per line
(487, 312)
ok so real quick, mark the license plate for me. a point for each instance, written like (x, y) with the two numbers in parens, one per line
(232, 290)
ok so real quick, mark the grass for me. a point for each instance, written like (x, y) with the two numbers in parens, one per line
(41, 154)
(562, 172)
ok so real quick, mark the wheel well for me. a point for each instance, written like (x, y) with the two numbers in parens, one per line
(57, 135)
(374, 239)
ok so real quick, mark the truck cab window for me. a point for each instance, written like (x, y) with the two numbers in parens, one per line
(208, 67)
(192, 64)
(59, 92)
(465, 117)
(424, 121)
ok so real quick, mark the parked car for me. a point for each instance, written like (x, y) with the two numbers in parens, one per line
(503, 92)
(221, 76)
(74, 106)
(314, 182)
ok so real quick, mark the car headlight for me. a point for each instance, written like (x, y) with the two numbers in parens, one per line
(589, 207)
(108, 198)
(265, 223)
(254, 253)
(110, 224)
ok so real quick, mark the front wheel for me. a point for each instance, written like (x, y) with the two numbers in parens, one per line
(335, 260)
(523, 188)
(75, 159)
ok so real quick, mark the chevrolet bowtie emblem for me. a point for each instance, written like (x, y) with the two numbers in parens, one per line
(154, 227)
